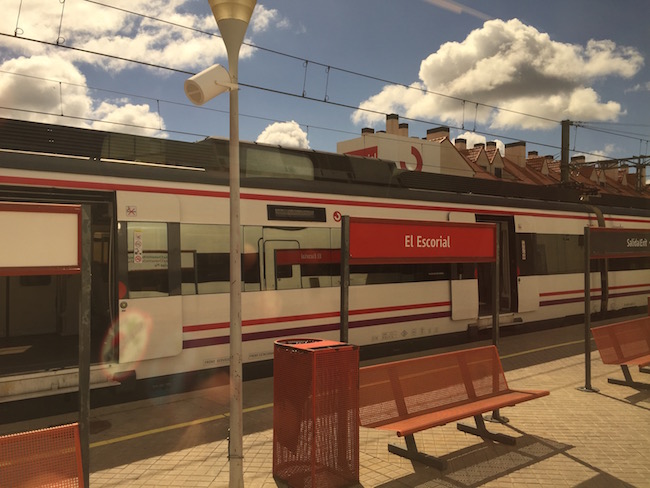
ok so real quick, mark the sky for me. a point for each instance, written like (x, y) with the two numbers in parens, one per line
(315, 73)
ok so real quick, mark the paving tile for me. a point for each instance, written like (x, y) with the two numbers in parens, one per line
(567, 439)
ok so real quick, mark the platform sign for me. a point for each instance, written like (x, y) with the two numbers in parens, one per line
(619, 243)
(39, 239)
(607, 243)
(383, 241)
(409, 241)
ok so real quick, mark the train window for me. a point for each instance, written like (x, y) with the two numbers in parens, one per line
(205, 259)
(404, 273)
(629, 264)
(148, 259)
(557, 254)
(297, 257)
(274, 162)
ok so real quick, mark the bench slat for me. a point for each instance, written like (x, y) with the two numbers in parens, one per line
(435, 390)
(417, 394)
(48, 457)
(421, 422)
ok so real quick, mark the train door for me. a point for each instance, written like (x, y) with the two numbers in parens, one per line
(150, 299)
(507, 270)
(464, 285)
(39, 313)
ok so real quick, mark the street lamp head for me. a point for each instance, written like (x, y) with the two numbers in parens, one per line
(208, 84)
(232, 17)
(232, 9)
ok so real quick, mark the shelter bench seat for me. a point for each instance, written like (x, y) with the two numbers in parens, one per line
(625, 344)
(413, 395)
(48, 457)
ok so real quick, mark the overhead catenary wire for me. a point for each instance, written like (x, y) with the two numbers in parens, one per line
(328, 68)
(266, 89)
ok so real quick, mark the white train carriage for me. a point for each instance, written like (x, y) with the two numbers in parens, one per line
(160, 248)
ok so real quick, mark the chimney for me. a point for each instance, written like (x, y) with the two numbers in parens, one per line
(479, 145)
(578, 159)
(461, 144)
(532, 154)
(367, 130)
(491, 144)
(516, 152)
(437, 133)
(392, 121)
(403, 130)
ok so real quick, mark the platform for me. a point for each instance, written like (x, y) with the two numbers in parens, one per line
(570, 438)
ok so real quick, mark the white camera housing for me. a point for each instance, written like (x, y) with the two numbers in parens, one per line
(208, 84)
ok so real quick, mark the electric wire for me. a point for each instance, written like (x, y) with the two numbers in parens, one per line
(303, 95)
(328, 67)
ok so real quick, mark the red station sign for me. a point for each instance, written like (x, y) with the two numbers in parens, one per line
(402, 241)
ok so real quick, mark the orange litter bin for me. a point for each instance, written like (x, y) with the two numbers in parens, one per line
(315, 413)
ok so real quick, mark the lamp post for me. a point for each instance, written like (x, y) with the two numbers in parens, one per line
(232, 17)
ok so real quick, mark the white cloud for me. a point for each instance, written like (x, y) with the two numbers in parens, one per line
(136, 119)
(600, 154)
(51, 89)
(118, 33)
(458, 8)
(27, 66)
(264, 17)
(513, 66)
(286, 134)
(42, 84)
(640, 87)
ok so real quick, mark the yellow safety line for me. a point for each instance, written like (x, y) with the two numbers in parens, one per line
(545, 348)
(182, 425)
(269, 405)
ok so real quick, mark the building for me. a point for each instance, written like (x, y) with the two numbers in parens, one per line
(436, 153)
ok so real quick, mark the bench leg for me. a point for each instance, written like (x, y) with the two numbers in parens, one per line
(628, 381)
(411, 452)
(644, 369)
(481, 431)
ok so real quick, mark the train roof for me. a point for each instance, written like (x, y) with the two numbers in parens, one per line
(265, 166)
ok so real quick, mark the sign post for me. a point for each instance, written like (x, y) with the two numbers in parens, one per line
(603, 243)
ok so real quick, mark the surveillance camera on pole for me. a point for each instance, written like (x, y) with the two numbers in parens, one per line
(207, 84)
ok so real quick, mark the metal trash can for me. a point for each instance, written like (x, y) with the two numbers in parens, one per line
(315, 413)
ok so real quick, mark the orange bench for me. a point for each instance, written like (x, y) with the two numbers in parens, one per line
(625, 344)
(48, 457)
(417, 394)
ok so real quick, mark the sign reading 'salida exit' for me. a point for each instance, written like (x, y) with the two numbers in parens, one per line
(402, 241)
(622, 243)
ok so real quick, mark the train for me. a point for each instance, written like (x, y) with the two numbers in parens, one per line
(159, 250)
